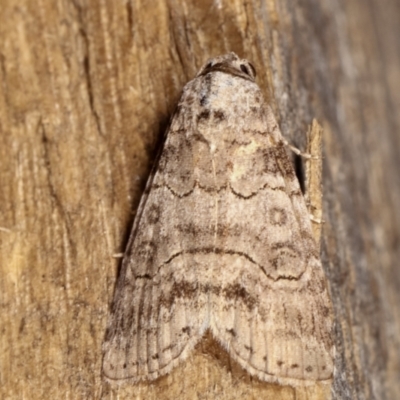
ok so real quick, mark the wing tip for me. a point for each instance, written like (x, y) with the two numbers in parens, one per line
(121, 374)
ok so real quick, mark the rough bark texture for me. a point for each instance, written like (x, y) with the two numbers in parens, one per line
(86, 91)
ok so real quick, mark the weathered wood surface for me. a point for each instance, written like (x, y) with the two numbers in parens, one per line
(86, 92)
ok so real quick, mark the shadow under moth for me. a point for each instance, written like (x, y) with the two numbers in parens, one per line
(222, 241)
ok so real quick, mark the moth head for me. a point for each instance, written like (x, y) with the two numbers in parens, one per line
(231, 64)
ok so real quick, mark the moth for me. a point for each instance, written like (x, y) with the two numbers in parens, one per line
(222, 241)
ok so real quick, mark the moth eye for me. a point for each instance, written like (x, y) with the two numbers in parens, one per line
(248, 70)
(244, 69)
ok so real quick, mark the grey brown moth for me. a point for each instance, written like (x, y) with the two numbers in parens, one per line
(222, 241)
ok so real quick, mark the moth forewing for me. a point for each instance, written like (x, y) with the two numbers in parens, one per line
(222, 242)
